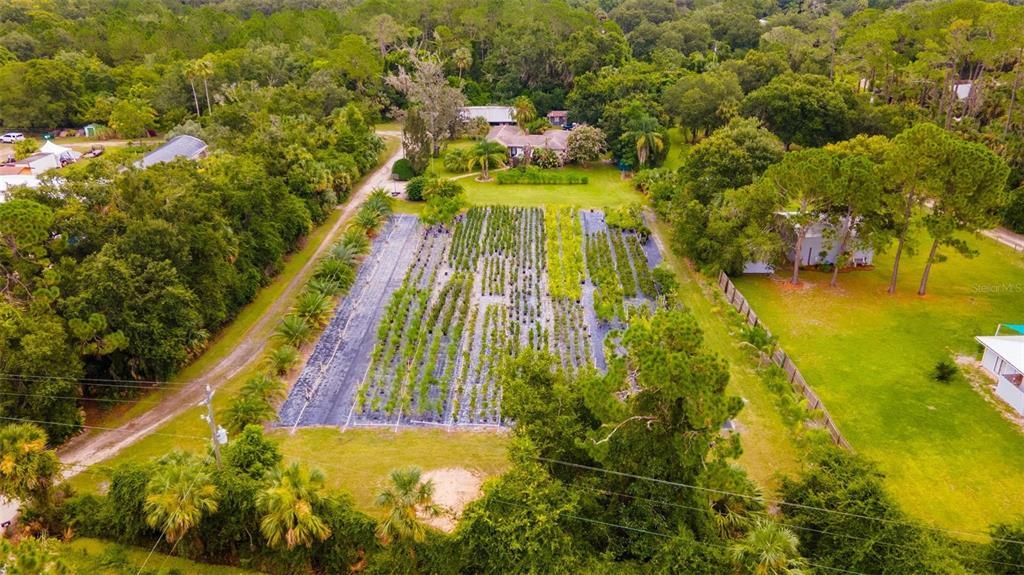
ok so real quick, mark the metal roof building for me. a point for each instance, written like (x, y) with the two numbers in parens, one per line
(183, 146)
(494, 115)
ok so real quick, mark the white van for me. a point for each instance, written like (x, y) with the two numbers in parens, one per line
(11, 137)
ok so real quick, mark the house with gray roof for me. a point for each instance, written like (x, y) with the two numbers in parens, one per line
(519, 143)
(184, 146)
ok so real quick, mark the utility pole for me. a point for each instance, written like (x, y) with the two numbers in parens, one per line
(218, 435)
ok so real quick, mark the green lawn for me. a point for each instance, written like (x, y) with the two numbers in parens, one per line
(769, 449)
(951, 459)
(94, 556)
(359, 460)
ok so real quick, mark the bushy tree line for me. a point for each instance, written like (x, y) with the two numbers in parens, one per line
(115, 272)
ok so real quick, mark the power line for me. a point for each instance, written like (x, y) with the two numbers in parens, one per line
(98, 381)
(767, 515)
(163, 531)
(84, 426)
(665, 535)
(779, 502)
(84, 398)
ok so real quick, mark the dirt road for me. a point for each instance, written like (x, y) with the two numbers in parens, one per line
(1006, 237)
(93, 448)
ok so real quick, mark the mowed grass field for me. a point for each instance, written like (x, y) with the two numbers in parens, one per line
(360, 460)
(951, 459)
(97, 557)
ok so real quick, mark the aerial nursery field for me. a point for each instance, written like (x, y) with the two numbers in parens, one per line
(434, 312)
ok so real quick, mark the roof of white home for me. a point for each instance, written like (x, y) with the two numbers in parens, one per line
(1009, 347)
(493, 114)
(183, 146)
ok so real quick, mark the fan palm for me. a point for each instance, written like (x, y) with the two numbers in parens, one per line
(246, 409)
(344, 252)
(768, 549)
(379, 202)
(646, 135)
(293, 330)
(403, 499)
(264, 386)
(27, 468)
(281, 360)
(178, 495)
(485, 154)
(313, 307)
(325, 286)
(289, 504)
(356, 240)
(524, 110)
(336, 271)
(368, 220)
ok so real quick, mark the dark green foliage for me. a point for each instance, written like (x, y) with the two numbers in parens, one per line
(1014, 217)
(851, 489)
(414, 189)
(1006, 553)
(251, 453)
(945, 371)
(403, 170)
(124, 514)
(536, 176)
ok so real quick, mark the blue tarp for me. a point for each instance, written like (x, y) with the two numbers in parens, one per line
(1017, 327)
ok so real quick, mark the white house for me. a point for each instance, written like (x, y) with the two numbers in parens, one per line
(494, 115)
(1004, 359)
(820, 246)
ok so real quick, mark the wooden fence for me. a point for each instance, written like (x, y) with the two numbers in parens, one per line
(779, 358)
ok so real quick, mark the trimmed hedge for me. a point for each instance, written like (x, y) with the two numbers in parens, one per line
(402, 170)
(534, 175)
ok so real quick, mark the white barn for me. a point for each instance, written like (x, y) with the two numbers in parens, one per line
(493, 115)
(1004, 360)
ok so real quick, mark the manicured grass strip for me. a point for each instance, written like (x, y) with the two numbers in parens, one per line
(769, 449)
(85, 554)
(605, 188)
(950, 458)
(360, 460)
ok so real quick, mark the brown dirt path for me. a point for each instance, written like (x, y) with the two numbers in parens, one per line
(90, 449)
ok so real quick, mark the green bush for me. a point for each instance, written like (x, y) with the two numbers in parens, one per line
(414, 189)
(1014, 217)
(456, 160)
(537, 176)
(403, 171)
(945, 371)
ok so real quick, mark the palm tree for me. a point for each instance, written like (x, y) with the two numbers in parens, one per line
(463, 59)
(28, 470)
(293, 330)
(281, 360)
(646, 134)
(768, 549)
(403, 500)
(264, 386)
(246, 409)
(204, 68)
(336, 271)
(345, 252)
(191, 72)
(356, 240)
(485, 153)
(314, 307)
(525, 111)
(178, 495)
(288, 505)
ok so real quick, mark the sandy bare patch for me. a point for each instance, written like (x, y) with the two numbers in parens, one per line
(454, 488)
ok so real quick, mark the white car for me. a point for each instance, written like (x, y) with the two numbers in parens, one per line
(11, 137)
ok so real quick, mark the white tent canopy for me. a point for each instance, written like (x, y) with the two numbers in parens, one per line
(59, 151)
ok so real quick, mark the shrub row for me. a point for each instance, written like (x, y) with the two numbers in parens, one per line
(537, 176)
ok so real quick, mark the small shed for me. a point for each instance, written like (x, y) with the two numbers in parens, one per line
(39, 162)
(93, 130)
(1004, 360)
(558, 118)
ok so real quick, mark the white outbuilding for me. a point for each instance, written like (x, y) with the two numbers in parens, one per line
(1004, 360)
